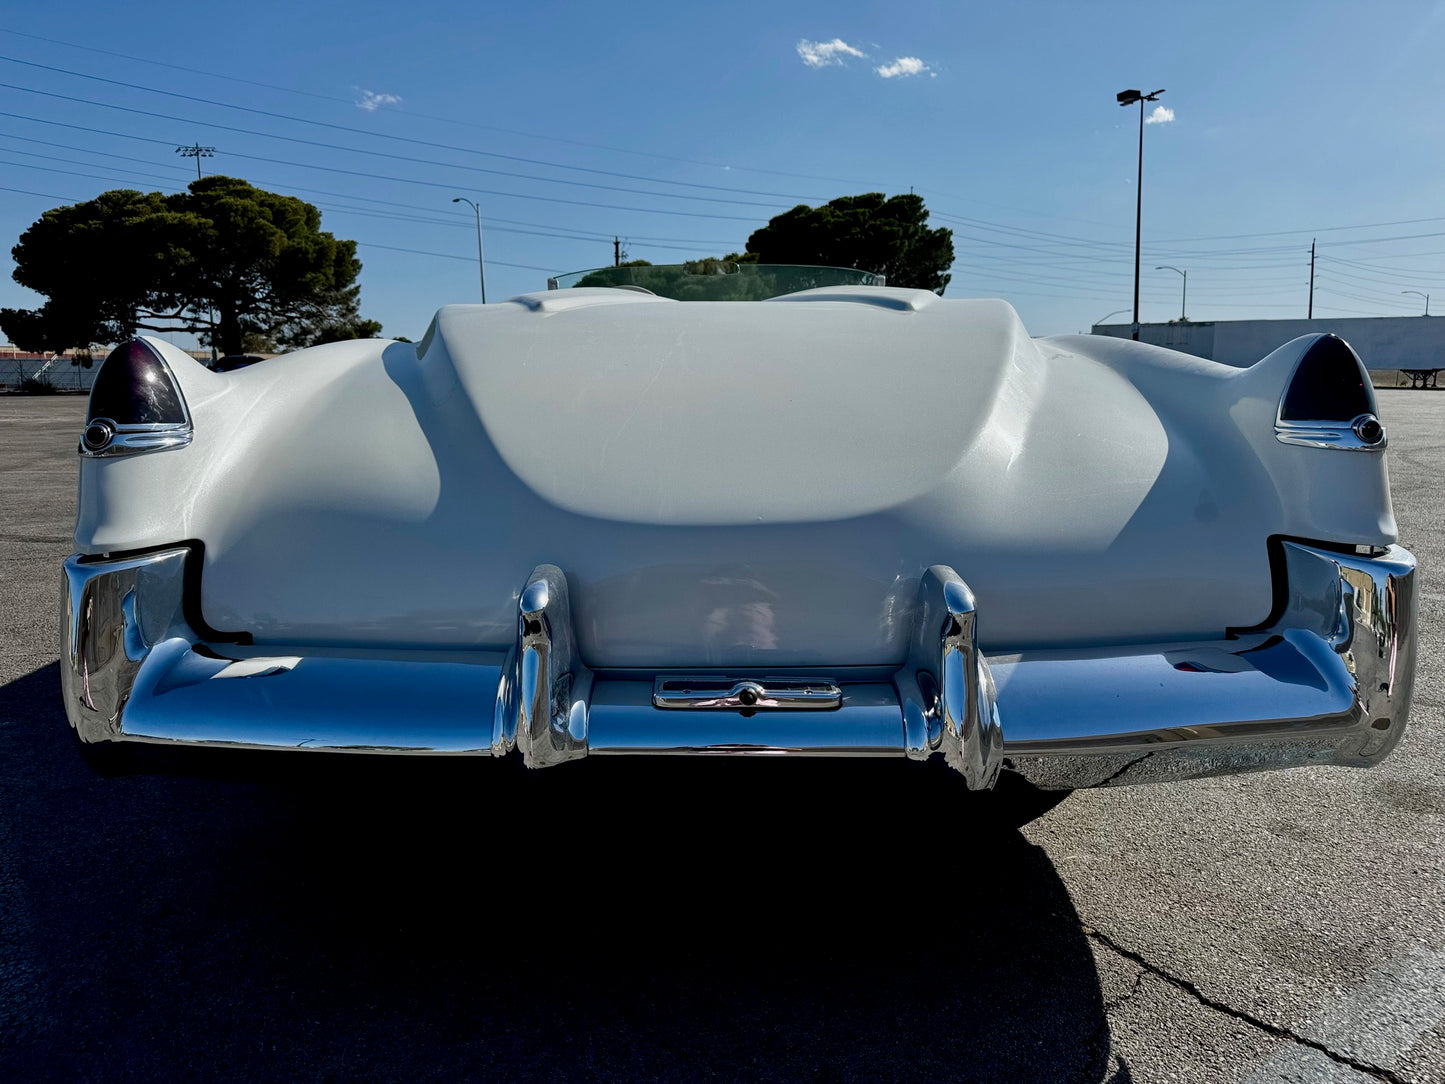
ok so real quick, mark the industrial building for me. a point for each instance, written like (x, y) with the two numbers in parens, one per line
(1411, 345)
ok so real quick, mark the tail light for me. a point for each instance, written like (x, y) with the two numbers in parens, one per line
(1329, 401)
(135, 405)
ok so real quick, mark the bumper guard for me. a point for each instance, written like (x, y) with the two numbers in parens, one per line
(1329, 683)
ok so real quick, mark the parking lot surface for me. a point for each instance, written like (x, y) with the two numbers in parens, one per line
(719, 921)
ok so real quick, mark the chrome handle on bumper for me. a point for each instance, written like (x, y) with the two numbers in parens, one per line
(725, 694)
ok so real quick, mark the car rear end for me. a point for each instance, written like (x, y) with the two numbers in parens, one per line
(847, 522)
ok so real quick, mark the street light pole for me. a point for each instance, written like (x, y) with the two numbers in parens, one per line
(1417, 293)
(481, 264)
(1106, 315)
(1129, 97)
(1184, 296)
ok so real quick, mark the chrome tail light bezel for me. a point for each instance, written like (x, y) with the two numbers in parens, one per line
(1357, 428)
(118, 425)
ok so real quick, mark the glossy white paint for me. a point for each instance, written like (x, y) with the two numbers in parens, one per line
(734, 483)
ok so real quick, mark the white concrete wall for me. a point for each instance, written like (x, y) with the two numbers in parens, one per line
(1383, 342)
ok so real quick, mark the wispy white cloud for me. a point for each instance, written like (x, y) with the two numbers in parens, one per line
(820, 54)
(904, 65)
(371, 100)
(1162, 115)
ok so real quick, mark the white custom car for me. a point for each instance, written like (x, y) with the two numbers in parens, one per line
(846, 521)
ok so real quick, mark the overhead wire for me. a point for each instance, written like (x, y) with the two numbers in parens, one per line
(1073, 259)
(441, 119)
(368, 133)
(488, 219)
(395, 179)
(438, 217)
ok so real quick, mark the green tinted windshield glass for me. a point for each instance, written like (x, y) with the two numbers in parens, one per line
(717, 280)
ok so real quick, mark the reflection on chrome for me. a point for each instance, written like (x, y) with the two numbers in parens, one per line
(1329, 682)
(765, 694)
(945, 689)
(554, 686)
(1363, 434)
(104, 437)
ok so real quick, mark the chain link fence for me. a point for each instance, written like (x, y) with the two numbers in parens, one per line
(33, 374)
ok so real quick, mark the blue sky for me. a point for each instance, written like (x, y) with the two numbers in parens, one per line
(697, 122)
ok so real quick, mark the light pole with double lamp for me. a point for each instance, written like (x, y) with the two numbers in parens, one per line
(1129, 97)
(481, 265)
(1184, 295)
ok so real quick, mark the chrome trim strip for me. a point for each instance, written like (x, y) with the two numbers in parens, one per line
(750, 694)
(133, 439)
(945, 689)
(1345, 436)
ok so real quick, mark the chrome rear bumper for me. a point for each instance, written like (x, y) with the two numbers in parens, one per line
(1329, 683)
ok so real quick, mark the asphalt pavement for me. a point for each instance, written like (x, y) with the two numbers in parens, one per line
(768, 921)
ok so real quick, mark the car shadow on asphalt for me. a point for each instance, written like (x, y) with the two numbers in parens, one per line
(614, 920)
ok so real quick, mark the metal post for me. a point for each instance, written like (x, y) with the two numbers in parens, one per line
(481, 263)
(1138, 218)
(1311, 313)
(1126, 98)
(1184, 296)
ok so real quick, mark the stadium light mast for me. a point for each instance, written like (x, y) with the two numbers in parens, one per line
(1130, 97)
(1184, 294)
(197, 152)
(481, 264)
(1417, 293)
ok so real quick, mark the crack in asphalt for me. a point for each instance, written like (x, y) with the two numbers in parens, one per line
(1180, 983)
(1099, 1041)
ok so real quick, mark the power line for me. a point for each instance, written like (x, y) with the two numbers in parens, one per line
(452, 256)
(382, 176)
(381, 154)
(447, 120)
(437, 218)
(597, 146)
(1048, 239)
(491, 221)
(423, 142)
(170, 185)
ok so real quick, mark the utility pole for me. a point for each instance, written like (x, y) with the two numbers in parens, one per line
(197, 152)
(1311, 313)
(1129, 97)
(616, 251)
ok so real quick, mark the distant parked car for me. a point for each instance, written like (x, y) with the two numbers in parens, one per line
(851, 520)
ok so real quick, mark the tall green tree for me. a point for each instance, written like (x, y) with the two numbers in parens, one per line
(872, 232)
(241, 267)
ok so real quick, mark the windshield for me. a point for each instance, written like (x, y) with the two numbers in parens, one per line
(717, 280)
